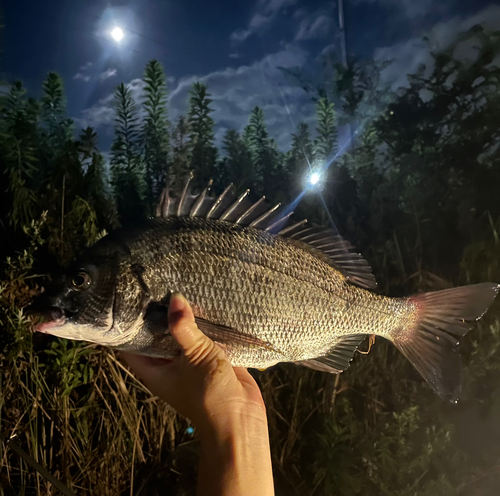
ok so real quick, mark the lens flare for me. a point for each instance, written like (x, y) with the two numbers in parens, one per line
(314, 179)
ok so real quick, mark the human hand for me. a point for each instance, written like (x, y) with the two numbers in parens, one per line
(201, 384)
(224, 403)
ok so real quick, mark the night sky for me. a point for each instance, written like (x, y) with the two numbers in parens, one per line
(235, 47)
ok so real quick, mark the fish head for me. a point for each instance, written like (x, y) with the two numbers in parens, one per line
(98, 299)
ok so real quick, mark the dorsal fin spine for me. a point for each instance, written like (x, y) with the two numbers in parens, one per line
(292, 227)
(250, 210)
(218, 201)
(160, 203)
(298, 233)
(231, 207)
(166, 203)
(199, 201)
(184, 193)
(264, 216)
(280, 220)
(327, 245)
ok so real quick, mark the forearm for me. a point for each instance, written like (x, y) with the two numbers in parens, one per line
(235, 457)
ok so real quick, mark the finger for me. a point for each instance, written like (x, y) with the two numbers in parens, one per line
(245, 378)
(183, 327)
(250, 385)
(147, 368)
(243, 375)
(143, 360)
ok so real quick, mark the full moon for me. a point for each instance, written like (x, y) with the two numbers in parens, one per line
(117, 34)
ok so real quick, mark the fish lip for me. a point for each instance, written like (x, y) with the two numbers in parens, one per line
(56, 316)
(44, 327)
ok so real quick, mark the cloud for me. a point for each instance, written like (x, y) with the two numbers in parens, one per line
(316, 25)
(234, 55)
(409, 55)
(235, 92)
(81, 76)
(266, 11)
(259, 20)
(98, 115)
(300, 13)
(102, 114)
(328, 49)
(82, 72)
(240, 35)
(108, 73)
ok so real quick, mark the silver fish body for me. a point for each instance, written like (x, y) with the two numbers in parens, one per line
(279, 291)
(265, 295)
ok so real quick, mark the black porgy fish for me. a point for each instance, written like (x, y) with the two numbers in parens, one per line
(265, 293)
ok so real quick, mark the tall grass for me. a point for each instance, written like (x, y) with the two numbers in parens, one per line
(81, 414)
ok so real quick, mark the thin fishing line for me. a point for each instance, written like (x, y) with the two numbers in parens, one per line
(294, 126)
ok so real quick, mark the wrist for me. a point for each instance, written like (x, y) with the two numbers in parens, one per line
(235, 454)
(231, 419)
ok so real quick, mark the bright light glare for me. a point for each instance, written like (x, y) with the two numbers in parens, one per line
(117, 34)
(314, 179)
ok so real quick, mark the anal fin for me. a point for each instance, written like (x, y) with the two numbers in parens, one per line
(338, 358)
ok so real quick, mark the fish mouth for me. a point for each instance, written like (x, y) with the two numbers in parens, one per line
(54, 317)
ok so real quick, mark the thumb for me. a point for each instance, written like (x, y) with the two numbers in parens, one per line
(183, 328)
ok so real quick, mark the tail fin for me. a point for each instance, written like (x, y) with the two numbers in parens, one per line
(444, 317)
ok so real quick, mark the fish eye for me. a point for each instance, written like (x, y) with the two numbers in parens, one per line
(81, 281)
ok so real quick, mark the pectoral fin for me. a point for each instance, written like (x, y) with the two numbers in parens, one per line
(156, 319)
(227, 336)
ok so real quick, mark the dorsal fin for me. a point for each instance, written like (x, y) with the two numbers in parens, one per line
(340, 252)
(240, 210)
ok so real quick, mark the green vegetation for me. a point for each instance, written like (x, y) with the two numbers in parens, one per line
(127, 171)
(155, 134)
(202, 152)
(417, 193)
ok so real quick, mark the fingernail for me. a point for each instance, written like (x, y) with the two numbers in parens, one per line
(177, 302)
